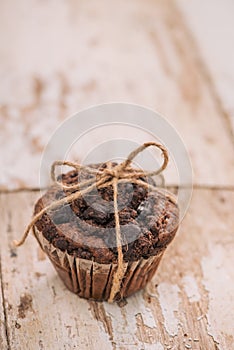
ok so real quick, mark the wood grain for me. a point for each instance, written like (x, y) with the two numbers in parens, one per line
(3, 338)
(212, 27)
(144, 54)
(187, 305)
(173, 56)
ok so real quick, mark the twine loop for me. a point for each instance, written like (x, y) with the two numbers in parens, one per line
(120, 173)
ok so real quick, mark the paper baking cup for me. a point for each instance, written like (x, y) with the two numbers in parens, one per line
(92, 280)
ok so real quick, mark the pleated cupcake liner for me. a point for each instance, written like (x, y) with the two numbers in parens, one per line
(92, 280)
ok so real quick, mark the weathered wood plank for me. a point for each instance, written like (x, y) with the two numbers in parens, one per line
(187, 305)
(143, 54)
(202, 279)
(37, 319)
(213, 28)
(3, 337)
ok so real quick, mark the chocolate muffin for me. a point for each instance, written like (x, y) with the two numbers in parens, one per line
(80, 237)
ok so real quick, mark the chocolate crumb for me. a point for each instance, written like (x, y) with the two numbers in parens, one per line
(17, 325)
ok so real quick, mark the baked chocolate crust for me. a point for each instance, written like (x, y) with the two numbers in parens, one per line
(86, 227)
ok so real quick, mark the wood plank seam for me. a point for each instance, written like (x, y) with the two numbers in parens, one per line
(4, 307)
(172, 187)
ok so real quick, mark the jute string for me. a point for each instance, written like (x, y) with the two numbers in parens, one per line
(122, 173)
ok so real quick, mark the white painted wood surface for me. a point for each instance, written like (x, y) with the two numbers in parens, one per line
(173, 56)
(57, 58)
(189, 301)
(211, 23)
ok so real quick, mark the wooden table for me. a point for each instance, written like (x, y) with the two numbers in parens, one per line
(176, 57)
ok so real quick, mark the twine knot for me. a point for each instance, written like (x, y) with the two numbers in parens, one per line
(113, 172)
(112, 175)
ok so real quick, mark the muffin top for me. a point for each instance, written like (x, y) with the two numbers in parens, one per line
(86, 227)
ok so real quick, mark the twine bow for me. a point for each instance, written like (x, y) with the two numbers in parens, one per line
(108, 176)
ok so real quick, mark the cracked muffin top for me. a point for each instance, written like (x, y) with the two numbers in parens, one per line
(85, 228)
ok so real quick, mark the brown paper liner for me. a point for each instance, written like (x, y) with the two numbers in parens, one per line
(92, 280)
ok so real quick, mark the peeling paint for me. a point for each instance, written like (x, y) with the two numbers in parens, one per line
(191, 288)
(124, 325)
(99, 313)
(145, 311)
(169, 302)
(218, 280)
(124, 322)
(25, 305)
